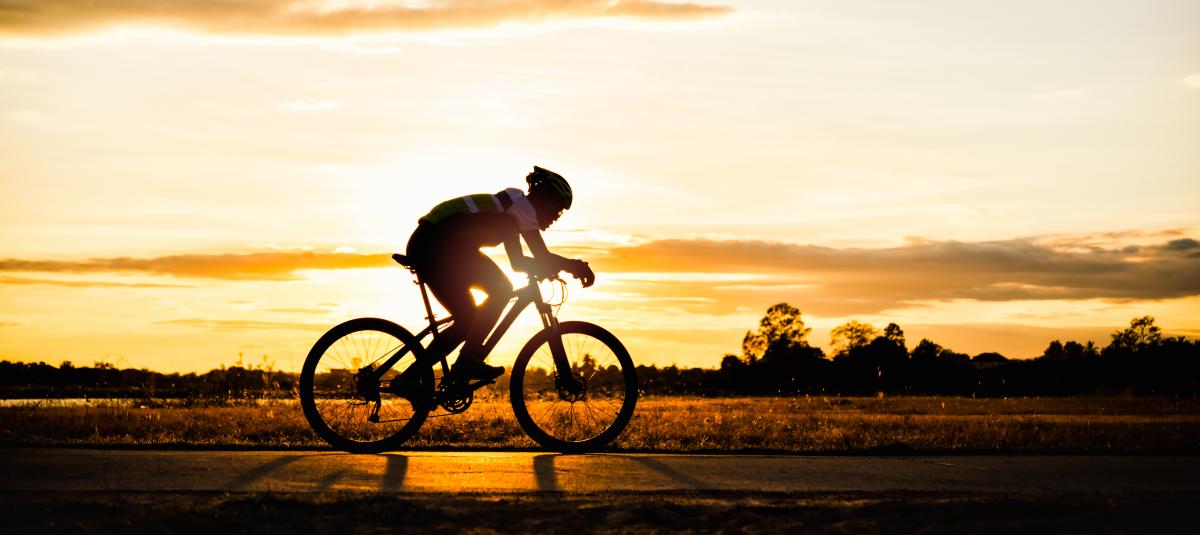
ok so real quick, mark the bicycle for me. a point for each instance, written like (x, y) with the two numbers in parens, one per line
(573, 386)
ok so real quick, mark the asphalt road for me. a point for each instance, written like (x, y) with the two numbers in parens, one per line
(41, 470)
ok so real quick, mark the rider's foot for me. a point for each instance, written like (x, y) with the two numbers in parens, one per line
(468, 368)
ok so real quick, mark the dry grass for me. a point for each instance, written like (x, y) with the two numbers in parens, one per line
(917, 424)
(802, 425)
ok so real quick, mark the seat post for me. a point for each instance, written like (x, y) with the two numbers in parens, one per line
(425, 298)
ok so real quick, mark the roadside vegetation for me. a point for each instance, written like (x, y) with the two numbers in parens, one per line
(676, 424)
(776, 360)
(1137, 394)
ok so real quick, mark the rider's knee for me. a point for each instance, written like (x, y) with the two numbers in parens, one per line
(498, 292)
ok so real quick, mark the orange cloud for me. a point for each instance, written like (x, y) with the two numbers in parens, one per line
(87, 284)
(244, 325)
(298, 17)
(826, 280)
(260, 266)
(847, 281)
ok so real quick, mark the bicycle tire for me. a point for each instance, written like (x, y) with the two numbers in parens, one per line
(332, 401)
(532, 391)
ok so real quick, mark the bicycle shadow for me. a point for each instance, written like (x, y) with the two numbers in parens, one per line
(394, 472)
(547, 475)
(666, 471)
(248, 478)
(544, 472)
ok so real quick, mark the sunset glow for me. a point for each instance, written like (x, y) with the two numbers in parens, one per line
(186, 183)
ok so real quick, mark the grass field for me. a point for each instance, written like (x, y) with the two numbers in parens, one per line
(800, 425)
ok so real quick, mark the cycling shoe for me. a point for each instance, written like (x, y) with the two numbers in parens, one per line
(466, 369)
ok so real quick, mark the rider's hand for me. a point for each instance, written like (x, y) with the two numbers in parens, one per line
(582, 271)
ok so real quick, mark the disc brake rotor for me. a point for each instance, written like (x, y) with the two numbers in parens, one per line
(572, 390)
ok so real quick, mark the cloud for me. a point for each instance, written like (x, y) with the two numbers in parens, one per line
(252, 266)
(670, 274)
(844, 281)
(1185, 244)
(317, 18)
(87, 284)
(298, 310)
(243, 325)
(1191, 80)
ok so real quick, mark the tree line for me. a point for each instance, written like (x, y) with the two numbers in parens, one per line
(238, 382)
(775, 359)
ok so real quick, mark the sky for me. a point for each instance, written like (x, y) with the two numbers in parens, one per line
(186, 181)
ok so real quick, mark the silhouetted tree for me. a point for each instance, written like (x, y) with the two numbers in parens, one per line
(851, 335)
(869, 362)
(781, 327)
(926, 350)
(1054, 351)
(1142, 333)
(894, 333)
(778, 355)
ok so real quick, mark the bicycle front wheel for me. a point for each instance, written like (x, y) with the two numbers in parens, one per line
(345, 397)
(584, 411)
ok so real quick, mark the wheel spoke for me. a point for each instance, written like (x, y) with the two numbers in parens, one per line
(564, 417)
(336, 399)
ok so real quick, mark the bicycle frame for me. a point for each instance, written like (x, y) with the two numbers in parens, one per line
(522, 297)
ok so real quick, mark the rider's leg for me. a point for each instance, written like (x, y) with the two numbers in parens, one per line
(488, 277)
(438, 255)
(455, 296)
(450, 280)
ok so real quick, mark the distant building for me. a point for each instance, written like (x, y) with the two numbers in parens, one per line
(988, 360)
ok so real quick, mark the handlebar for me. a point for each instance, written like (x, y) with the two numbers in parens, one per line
(538, 277)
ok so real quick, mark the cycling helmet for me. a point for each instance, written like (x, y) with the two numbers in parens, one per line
(552, 183)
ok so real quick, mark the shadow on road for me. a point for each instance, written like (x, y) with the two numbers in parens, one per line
(543, 470)
(670, 473)
(326, 483)
(394, 473)
(547, 475)
(248, 478)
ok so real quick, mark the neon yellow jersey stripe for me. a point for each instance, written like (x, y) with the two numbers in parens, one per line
(469, 204)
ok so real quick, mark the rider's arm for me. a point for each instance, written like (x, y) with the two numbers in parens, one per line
(516, 255)
(544, 261)
(542, 257)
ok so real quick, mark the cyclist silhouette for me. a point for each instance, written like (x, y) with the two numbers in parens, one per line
(445, 252)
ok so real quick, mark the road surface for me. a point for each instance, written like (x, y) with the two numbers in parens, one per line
(49, 470)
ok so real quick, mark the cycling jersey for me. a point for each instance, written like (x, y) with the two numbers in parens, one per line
(511, 202)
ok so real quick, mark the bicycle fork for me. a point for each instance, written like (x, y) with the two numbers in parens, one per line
(564, 379)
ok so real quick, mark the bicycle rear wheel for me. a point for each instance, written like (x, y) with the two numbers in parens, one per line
(573, 420)
(345, 399)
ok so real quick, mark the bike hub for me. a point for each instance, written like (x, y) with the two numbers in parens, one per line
(572, 389)
(366, 384)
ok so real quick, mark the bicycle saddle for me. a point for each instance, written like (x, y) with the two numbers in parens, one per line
(402, 260)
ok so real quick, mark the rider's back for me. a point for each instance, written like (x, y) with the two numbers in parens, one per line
(482, 219)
